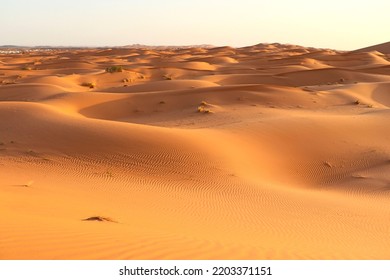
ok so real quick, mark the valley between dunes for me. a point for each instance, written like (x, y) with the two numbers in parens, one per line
(264, 152)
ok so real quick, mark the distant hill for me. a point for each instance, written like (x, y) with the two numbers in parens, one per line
(139, 46)
(383, 48)
(134, 46)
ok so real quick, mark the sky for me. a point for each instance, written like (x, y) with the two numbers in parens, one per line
(337, 24)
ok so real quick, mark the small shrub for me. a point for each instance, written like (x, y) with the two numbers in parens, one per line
(357, 102)
(29, 184)
(100, 219)
(8, 82)
(202, 109)
(114, 69)
(90, 85)
(28, 68)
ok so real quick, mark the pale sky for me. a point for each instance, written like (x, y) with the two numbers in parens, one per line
(339, 24)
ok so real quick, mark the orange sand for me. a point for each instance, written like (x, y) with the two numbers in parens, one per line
(265, 152)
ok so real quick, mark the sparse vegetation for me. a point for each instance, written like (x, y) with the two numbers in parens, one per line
(29, 184)
(8, 82)
(358, 102)
(90, 85)
(114, 69)
(27, 68)
(167, 77)
(202, 109)
(162, 102)
(100, 219)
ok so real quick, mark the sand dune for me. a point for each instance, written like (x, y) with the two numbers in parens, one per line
(265, 152)
(383, 48)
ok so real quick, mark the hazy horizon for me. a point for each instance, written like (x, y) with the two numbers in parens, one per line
(343, 25)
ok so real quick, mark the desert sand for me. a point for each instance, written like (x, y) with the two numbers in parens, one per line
(264, 152)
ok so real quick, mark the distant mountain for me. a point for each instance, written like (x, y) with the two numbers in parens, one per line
(383, 48)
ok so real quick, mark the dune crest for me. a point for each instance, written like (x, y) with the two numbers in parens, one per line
(381, 48)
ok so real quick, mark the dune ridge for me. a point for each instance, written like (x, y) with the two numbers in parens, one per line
(269, 151)
(381, 48)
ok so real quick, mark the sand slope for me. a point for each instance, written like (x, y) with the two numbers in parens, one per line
(383, 48)
(265, 152)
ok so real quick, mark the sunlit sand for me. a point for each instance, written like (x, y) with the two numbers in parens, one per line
(264, 152)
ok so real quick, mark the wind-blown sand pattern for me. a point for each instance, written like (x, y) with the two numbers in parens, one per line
(264, 152)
